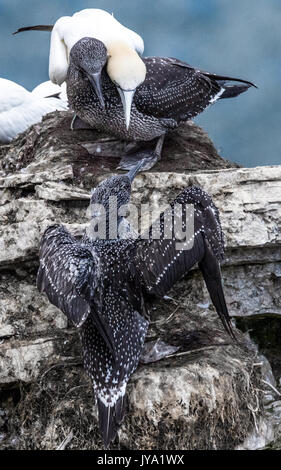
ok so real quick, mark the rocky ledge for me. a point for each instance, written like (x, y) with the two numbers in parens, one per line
(211, 394)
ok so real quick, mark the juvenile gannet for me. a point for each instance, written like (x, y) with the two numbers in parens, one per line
(104, 285)
(124, 47)
(172, 93)
(20, 108)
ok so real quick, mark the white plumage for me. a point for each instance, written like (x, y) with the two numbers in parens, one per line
(90, 22)
(47, 89)
(20, 108)
(124, 47)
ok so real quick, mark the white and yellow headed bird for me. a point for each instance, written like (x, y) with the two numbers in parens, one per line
(124, 66)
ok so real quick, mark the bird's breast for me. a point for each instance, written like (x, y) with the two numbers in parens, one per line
(111, 119)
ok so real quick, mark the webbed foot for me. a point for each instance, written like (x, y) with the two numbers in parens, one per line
(149, 156)
(130, 161)
(156, 350)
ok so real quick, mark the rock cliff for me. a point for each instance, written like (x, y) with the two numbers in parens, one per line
(212, 393)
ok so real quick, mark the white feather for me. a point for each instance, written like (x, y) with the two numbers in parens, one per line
(11, 94)
(217, 96)
(90, 22)
(48, 88)
(20, 108)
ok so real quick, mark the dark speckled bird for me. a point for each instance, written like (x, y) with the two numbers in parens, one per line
(104, 285)
(172, 93)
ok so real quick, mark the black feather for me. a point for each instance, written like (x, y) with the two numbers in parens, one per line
(107, 422)
(210, 269)
(38, 27)
(160, 265)
(120, 409)
(64, 274)
(223, 78)
(231, 91)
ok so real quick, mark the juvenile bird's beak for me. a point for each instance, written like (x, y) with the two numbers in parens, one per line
(127, 99)
(95, 79)
(134, 171)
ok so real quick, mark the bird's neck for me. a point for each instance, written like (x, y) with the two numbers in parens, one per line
(120, 48)
(124, 66)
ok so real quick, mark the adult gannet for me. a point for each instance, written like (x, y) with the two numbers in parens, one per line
(49, 89)
(172, 93)
(124, 47)
(104, 285)
(20, 108)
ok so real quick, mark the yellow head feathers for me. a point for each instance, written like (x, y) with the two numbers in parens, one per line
(124, 66)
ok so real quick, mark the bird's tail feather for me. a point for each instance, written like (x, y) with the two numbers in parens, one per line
(39, 27)
(231, 91)
(110, 418)
(220, 78)
(120, 409)
(210, 269)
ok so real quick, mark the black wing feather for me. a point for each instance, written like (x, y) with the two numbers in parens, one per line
(174, 90)
(158, 261)
(210, 269)
(65, 273)
(231, 91)
(39, 27)
(160, 265)
(125, 327)
(110, 419)
(223, 78)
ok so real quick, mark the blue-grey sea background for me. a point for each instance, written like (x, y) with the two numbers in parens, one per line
(237, 38)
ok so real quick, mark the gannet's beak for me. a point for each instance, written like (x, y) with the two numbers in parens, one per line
(127, 100)
(134, 171)
(95, 79)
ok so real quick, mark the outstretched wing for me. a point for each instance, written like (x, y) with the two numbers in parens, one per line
(66, 273)
(161, 262)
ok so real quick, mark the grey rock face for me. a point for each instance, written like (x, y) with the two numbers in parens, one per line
(209, 384)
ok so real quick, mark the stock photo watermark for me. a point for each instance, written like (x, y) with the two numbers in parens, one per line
(112, 221)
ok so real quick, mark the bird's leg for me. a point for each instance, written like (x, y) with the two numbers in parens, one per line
(150, 157)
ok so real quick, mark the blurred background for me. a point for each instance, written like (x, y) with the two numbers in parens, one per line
(239, 38)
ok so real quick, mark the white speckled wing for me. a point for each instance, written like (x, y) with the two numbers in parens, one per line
(160, 264)
(67, 273)
(174, 89)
